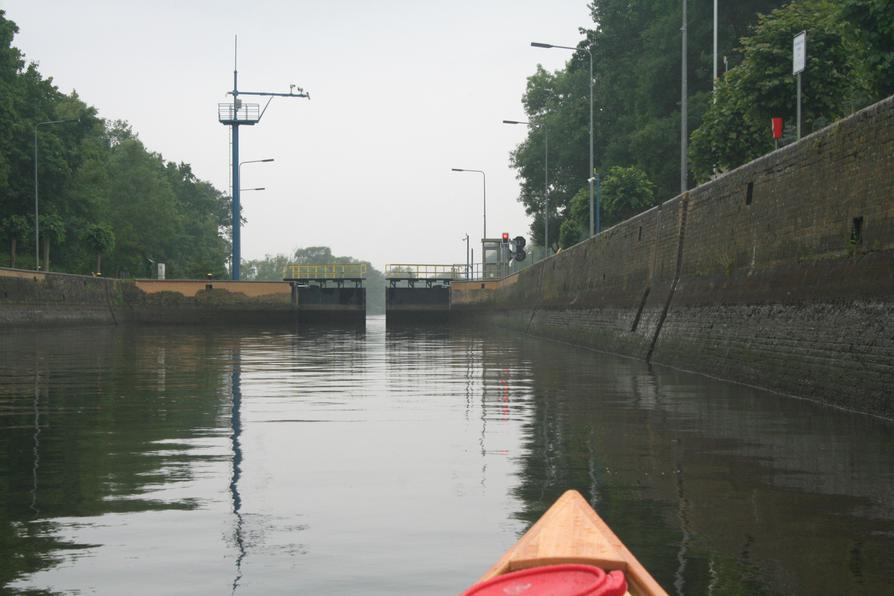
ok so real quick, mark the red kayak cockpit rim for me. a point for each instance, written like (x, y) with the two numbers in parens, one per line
(553, 580)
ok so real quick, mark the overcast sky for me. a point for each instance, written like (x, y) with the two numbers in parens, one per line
(402, 91)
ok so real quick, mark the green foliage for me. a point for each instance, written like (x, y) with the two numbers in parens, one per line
(574, 227)
(871, 25)
(100, 238)
(637, 59)
(318, 255)
(626, 192)
(52, 228)
(15, 227)
(736, 128)
(557, 104)
(97, 171)
(270, 268)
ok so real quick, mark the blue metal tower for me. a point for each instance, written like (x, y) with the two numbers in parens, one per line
(238, 114)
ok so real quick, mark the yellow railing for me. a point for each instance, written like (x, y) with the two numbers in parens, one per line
(426, 271)
(327, 271)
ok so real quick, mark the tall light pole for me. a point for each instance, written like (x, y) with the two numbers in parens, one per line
(484, 231)
(715, 50)
(36, 210)
(714, 80)
(592, 176)
(237, 214)
(545, 180)
(235, 115)
(468, 262)
(684, 123)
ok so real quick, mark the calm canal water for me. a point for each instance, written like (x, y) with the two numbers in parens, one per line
(351, 461)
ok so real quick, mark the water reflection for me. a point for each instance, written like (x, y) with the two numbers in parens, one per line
(405, 460)
(716, 487)
(36, 448)
(113, 441)
(236, 426)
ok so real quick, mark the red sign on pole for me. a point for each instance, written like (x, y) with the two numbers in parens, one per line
(777, 128)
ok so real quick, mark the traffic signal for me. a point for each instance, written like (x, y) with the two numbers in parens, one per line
(505, 237)
(519, 253)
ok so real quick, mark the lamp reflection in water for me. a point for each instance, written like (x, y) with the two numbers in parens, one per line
(236, 435)
(36, 448)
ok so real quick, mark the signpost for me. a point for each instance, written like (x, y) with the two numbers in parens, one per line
(799, 62)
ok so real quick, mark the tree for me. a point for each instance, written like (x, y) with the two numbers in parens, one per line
(101, 239)
(317, 255)
(636, 54)
(626, 192)
(270, 268)
(93, 170)
(871, 25)
(736, 128)
(574, 228)
(52, 229)
(16, 228)
(557, 104)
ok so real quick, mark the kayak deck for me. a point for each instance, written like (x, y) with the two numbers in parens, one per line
(571, 532)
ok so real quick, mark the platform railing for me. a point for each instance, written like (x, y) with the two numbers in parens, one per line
(247, 113)
(327, 271)
(427, 271)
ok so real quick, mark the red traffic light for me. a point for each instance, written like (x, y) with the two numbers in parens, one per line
(505, 236)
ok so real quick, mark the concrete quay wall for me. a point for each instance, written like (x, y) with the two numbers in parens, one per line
(37, 298)
(779, 274)
(29, 298)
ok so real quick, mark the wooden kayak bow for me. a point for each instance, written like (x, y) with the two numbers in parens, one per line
(571, 532)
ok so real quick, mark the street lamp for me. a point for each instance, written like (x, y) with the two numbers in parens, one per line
(545, 180)
(684, 107)
(36, 213)
(237, 218)
(595, 224)
(248, 189)
(468, 262)
(484, 232)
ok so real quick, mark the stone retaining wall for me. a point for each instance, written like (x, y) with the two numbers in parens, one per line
(36, 298)
(778, 274)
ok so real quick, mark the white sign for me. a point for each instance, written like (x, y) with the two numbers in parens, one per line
(799, 52)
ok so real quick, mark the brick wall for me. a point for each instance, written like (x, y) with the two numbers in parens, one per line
(755, 277)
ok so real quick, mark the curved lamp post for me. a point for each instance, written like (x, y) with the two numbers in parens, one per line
(545, 180)
(484, 188)
(237, 217)
(595, 224)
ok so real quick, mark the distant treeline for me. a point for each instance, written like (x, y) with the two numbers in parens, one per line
(102, 194)
(636, 47)
(274, 267)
